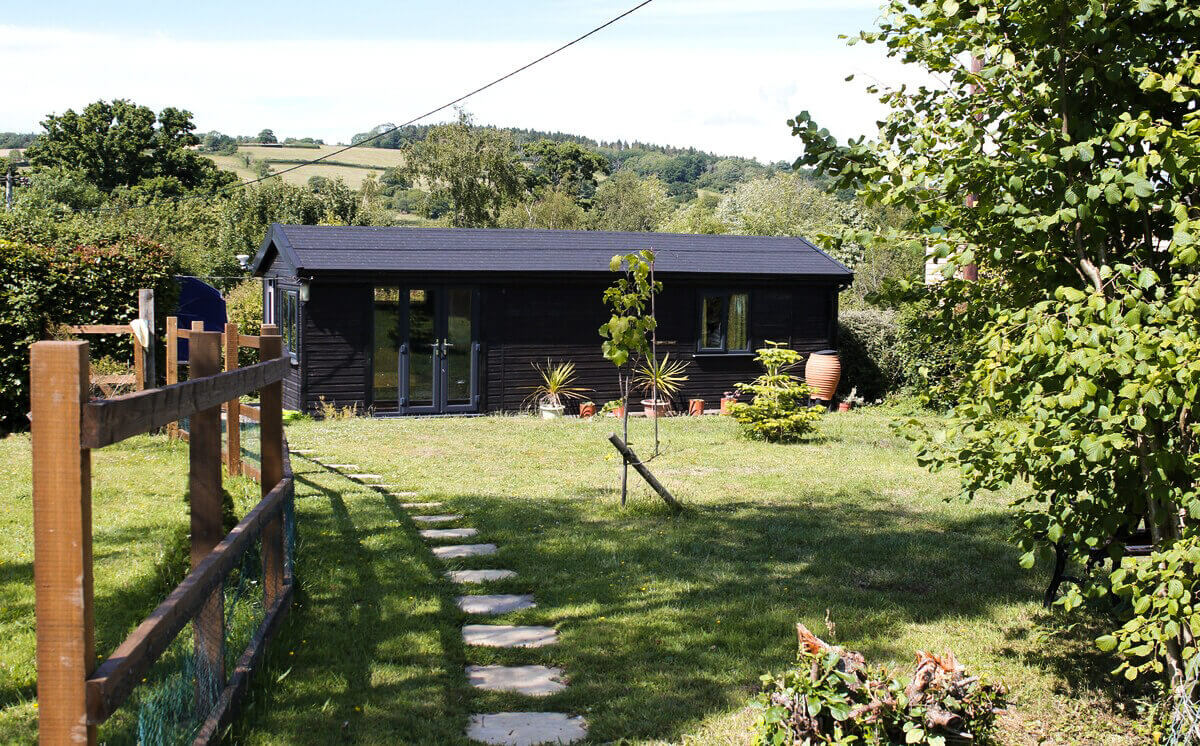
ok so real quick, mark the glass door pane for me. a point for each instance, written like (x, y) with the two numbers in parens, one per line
(422, 347)
(386, 359)
(458, 345)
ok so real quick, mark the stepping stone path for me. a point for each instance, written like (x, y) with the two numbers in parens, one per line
(457, 551)
(436, 518)
(526, 728)
(499, 603)
(448, 533)
(501, 728)
(533, 681)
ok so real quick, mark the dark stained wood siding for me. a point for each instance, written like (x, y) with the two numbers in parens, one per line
(525, 321)
(336, 352)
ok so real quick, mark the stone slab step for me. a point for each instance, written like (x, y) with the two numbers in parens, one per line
(454, 551)
(479, 576)
(448, 533)
(532, 681)
(364, 476)
(302, 451)
(437, 518)
(495, 603)
(419, 505)
(526, 728)
(508, 636)
(341, 466)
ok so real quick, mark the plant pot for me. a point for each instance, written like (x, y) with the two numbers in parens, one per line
(726, 402)
(653, 408)
(618, 412)
(822, 372)
(844, 406)
(696, 407)
(551, 411)
(587, 409)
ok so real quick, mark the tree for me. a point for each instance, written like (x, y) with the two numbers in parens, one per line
(566, 166)
(476, 168)
(267, 136)
(792, 204)
(551, 209)
(1076, 138)
(625, 202)
(121, 144)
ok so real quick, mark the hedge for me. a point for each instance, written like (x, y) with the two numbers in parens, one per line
(42, 287)
(875, 359)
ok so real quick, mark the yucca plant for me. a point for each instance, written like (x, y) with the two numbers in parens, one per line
(557, 386)
(666, 376)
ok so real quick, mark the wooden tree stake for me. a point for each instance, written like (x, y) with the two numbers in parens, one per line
(632, 459)
(62, 540)
(172, 365)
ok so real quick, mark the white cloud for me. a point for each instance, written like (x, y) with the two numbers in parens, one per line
(731, 100)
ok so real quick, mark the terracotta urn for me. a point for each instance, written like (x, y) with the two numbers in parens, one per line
(726, 401)
(822, 373)
(696, 407)
(844, 406)
(587, 409)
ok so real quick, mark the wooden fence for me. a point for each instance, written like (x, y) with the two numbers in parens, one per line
(74, 693)
(234, 409)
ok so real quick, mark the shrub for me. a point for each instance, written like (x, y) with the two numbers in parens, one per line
(832, 697)
(41, 288)
(875, 359)
(244, 307)
(779, 411)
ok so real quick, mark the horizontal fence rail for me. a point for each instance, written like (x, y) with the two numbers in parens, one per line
(74, 694)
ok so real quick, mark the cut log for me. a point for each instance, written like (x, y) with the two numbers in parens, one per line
(852, 662)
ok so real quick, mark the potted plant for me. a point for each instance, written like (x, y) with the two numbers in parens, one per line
(695, 407)
(848, 403)
(587, 409)
(612, 409)
(728, 399)
(662, 378)
(555, 389)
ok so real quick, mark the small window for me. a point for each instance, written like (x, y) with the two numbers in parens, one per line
(724, 322)
(269, 302)
(289, 316)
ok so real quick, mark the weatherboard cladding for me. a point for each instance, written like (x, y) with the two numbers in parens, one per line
(316, 249)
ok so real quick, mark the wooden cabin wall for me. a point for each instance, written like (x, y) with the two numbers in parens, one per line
(523, 324)
(337, 345)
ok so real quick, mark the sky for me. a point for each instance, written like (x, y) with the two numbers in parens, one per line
(720, 75)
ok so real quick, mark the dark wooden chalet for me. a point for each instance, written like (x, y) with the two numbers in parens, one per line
(436, 320)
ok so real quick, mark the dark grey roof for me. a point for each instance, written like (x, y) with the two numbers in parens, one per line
(317, 249)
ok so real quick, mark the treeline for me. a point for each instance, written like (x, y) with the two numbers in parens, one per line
(17, 139)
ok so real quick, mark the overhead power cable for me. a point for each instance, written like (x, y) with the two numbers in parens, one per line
(383, 133)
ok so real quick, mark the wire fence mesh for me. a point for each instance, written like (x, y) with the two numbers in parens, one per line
(1185, 715)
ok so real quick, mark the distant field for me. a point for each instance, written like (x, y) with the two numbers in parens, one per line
(352, 166)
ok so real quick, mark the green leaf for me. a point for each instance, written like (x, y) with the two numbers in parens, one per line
(1027, 560)
(1106, 643)
(950, 7)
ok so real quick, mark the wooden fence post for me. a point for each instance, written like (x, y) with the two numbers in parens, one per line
(204, 491)
(172, 365)
(62, 540)
(270, 428)
(146, 313)
(233, 410)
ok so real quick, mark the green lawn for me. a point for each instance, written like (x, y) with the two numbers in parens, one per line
(665, 623)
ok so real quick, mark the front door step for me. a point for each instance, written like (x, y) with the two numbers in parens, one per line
(507, 636)
(497, 603)
(526, 728)
(533, 681)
